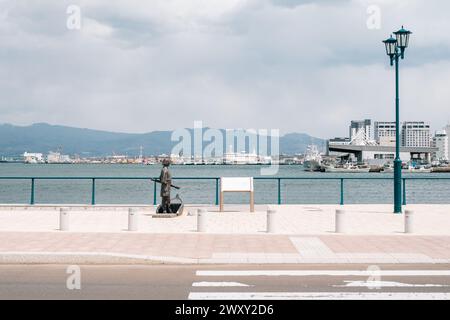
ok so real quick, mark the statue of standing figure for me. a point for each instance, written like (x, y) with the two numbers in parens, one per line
(166, 183)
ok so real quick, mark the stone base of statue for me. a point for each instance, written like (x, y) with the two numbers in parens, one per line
(176, 208)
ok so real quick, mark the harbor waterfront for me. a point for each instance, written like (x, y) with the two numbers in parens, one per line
(309, 188)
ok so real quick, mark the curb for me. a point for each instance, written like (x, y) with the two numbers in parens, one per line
(109, 258)
(87, 258)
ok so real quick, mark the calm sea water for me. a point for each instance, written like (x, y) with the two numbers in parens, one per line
(312, 191)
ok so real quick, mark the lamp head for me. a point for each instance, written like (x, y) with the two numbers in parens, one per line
(402, 36)
(391, 47)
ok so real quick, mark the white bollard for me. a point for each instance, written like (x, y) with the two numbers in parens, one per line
(133, 219)
(339, 226)
(64, 219)
(271, 221)
(409, 215)
(202, 220)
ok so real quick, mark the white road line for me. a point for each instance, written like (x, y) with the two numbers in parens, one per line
(219, 284)
(299, 273)
(319, 296)
(385, 284)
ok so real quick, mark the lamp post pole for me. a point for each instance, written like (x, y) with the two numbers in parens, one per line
(397, 161)
(395, 49)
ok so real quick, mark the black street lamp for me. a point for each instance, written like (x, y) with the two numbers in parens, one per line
(395, 49)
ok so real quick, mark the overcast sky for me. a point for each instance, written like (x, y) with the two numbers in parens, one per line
(299, 66)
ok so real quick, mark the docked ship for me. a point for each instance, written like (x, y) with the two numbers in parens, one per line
(313, 159)
(346, 168)
(418, 169)
(388, 168)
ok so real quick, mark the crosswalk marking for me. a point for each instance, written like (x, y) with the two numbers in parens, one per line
(297, 273)
(319, 296)
(385, 284)
(219, 284)
(329, 295)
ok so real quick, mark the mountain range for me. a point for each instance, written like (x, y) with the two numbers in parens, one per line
(43, 137)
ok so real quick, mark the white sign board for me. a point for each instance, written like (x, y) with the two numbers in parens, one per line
(241, 184)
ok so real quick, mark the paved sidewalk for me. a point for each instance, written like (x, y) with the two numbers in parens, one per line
(117, 248)
(291, 219)
(305, 234)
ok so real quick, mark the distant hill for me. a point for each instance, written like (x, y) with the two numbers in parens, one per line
(43, 137)
(293, 143)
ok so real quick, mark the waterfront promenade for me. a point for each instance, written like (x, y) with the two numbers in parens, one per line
(305, 234)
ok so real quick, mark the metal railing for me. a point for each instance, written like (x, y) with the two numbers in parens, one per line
(216, 179)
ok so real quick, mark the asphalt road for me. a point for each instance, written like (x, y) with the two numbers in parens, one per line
(225, 282)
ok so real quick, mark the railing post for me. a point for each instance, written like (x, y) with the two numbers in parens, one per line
(404, 191)
(93, 192)
(342, 191)
(279, 191)
(154, 192)
(217, 191)
(32, 192)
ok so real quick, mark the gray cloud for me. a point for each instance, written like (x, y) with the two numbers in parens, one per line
(230, 63)
(296, 3)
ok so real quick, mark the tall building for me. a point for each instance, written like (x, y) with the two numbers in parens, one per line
(416, 134)
(385, 133)
(360, 128)
(447, 130)
(440, 141)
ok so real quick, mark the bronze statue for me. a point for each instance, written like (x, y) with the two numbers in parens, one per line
(166, 183)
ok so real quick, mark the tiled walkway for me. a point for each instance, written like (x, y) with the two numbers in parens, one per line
(305, 234)
(219, 248)
(291, 219)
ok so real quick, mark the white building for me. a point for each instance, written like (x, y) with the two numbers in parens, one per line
(53, 157)
(440, 141)
(240, 158)
(231, 157)
(416, 134)
(33, 157)
(178, 159)
(383, 154)
(385, 133)
(56, 157)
